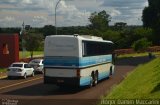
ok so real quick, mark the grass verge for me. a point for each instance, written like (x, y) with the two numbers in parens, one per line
(27, 54)
(142, 83)
(2, 70)
(138, 55)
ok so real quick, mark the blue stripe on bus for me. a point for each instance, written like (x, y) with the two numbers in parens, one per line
(85, 81)
(103, 75)
(75, 61)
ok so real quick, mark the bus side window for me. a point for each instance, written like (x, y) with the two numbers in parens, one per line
(90, 48)
(84, 50)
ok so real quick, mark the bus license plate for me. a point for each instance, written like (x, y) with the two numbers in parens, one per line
(60, 81)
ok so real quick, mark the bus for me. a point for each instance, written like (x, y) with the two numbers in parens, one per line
(77, 60)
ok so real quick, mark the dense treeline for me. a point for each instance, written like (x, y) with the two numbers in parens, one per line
(123, 37)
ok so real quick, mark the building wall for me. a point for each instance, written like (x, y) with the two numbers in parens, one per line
(9, 49)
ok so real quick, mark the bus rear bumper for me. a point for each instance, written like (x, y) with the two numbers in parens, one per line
(72, 81)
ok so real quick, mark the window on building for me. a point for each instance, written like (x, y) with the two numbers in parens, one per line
(5, 49)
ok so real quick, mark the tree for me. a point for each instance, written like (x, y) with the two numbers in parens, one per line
(139, 33)
(48, 30)
(99, 20)
(151, 18)
(141, 45)
(120, 25)
(33, 42)
(111, 35)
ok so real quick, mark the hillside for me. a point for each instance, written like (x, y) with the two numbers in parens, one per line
(142, 83)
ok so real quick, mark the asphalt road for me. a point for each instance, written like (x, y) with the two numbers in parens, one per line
(32, 91)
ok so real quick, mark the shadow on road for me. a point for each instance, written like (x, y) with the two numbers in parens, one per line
(133, 61)
(44, 90)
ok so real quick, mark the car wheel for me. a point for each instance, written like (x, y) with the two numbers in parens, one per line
(42, 71)
(33, 74)
(25, 76)
(9, 77)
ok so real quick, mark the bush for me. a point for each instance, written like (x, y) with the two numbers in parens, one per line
(141, 45)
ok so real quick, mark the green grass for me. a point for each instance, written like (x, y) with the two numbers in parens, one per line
(138, 55)
(27, 54)
(2, 70)
(142, 83)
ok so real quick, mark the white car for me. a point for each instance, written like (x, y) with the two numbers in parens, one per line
(37, 64)
(20, 69)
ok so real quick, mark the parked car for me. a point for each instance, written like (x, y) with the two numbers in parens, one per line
(37, 64)
(20, 69)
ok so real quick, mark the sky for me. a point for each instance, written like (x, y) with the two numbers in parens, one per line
(38, 13)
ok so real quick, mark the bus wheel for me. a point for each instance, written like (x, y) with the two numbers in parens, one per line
(95, 79)
(110, 71)
(91, 82)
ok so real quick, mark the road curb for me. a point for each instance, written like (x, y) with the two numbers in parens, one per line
(3, 75)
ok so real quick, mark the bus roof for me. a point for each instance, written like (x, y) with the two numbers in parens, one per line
(83, 37)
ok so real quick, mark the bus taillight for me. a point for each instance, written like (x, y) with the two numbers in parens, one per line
(78, 73)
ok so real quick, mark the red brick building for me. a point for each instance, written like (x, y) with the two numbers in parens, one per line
(9, 49)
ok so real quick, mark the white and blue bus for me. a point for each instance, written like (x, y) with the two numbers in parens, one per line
(77, 60)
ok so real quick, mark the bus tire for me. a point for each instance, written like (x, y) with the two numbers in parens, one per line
(110, 73)
(91, 80)
(95, 79)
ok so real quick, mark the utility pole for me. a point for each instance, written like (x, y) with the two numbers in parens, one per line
(22, 41)
(56, 16)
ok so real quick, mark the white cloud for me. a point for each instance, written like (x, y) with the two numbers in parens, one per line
(112, 11)
(72, 15)
(130, 11)
(8, 21)
(9, 18)
(39, 18)
(69, 12)
(27, 2)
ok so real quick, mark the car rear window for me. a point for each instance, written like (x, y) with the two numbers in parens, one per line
(35, 61)
(17, 65)
(27, 66)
